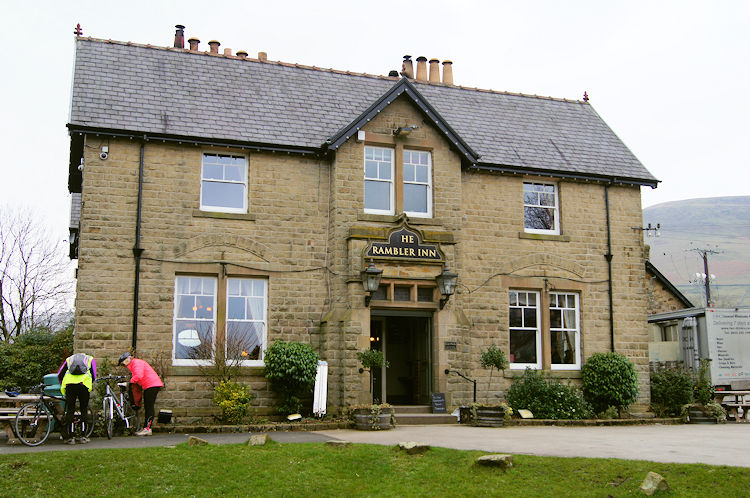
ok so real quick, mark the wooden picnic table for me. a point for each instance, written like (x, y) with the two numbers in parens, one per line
(733, 400)
(9, 406)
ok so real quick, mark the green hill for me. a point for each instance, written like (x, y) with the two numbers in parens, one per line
(720, 224)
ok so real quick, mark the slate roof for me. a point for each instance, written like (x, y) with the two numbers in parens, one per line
(174, 92)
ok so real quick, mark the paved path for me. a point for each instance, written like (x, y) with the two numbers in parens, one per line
(725, 444)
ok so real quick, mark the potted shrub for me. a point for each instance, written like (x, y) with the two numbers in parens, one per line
(704, 409)
(491, 414)
(373, 417)
(371, 359)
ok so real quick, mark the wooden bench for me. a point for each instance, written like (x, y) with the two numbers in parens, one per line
(733, 407)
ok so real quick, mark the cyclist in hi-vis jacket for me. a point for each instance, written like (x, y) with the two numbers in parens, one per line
(76, 375)
(147, 379)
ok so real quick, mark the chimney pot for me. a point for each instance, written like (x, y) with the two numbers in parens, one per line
(421, 68)
(194, 44)
(434, 71)
(393, 74)
(241, 54)
(407, 68)
(214, 46)
(447, 72)
(228, 52)
(179, 36)
(262, 56)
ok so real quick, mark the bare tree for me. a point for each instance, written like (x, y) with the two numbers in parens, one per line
(35, 278)
(225, 355)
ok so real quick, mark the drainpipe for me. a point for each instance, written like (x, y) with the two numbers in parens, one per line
(137, 249)
(608, 257)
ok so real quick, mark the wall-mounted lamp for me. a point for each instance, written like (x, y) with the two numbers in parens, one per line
(446, 282)
(370, 280)
(650, 230)
(404, 131)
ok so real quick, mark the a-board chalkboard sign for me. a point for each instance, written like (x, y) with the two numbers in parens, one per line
(438, 403)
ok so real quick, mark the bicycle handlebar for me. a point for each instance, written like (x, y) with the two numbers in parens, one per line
(112, 377)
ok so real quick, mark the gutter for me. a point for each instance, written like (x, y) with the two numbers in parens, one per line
(608, 257)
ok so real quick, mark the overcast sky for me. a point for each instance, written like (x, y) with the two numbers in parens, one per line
(670, 78)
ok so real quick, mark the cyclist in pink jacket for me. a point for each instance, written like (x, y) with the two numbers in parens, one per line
(147, 379)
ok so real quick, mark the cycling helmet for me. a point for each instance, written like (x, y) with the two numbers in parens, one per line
(123, 357)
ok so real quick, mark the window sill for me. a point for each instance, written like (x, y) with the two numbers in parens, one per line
(543, 236)
(182, 370)
(555, 374)
(197, 213)
(395, 218)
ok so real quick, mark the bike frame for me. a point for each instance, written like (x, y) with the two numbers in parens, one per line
(116, 404)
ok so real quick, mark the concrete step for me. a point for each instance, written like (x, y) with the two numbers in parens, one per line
(424, 418)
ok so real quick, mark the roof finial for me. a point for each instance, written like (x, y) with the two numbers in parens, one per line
(78, 31)
(585, 96)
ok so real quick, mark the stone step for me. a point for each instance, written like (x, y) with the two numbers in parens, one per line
(412, 409)
(425, 418)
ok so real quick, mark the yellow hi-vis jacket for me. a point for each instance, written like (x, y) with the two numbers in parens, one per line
(85, 379)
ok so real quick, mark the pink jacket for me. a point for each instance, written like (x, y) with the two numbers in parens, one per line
(143, 374)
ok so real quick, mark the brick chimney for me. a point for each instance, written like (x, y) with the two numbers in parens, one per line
(434, 71)
(447, 72)
(421, 68)
(214, 46)
(194, 44)
(179, 36)
(407, 68)
(262, 56)
(228, 52)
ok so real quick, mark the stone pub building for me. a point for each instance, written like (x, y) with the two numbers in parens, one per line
(220, 198)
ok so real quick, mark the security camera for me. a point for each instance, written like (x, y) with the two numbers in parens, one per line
(103, 156)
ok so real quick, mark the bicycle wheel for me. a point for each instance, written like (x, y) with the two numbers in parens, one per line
(33, 424)
(134, 419)
(88, 424)
(109, 420)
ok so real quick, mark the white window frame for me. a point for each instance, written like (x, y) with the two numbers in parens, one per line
(556, 209)
(391, 182)
(536, 328)
(175, 318)
(224, 209)
(263, 320)
(214, 320)
(566, 328)
(417, 214)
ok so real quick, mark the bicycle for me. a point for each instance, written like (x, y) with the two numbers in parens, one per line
(118, 410)
(34, 420)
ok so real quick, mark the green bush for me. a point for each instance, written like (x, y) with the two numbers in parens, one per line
(290, 369)
(233, 399)
(671, 388)
(546, 398)
(609, 379)
(704, 390)
(25, 362)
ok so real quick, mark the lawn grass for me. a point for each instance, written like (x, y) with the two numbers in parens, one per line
(358, 470)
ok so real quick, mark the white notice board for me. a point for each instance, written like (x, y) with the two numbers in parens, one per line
(728, 344)
(321, 390)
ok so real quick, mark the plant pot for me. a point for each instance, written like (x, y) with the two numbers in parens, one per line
(466, 415)
(489, 416)
(366, 420)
